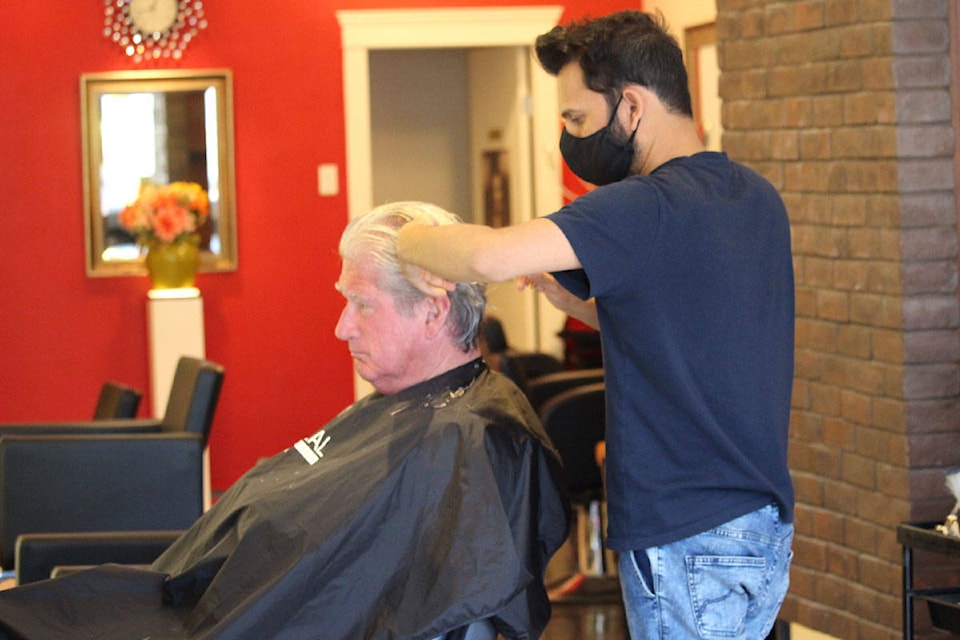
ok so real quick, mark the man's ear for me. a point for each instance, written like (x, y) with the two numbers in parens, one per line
(437, 310)
(635, 96)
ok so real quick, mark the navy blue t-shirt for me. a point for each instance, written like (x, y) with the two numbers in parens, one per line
(692, 271)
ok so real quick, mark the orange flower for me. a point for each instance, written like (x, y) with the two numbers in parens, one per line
(166, 213)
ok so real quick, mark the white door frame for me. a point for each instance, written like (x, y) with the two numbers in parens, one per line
(366, 30)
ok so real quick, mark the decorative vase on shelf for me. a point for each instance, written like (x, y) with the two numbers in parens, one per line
(173, 265)
(166, 219)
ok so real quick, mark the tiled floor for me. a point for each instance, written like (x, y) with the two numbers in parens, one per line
(586, 622)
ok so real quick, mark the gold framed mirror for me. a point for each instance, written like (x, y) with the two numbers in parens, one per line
(156, 126)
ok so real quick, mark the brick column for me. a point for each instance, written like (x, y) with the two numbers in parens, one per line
(845, 106)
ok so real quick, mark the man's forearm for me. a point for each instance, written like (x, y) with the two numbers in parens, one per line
(477, 253)
(586, 312)
(454, 252)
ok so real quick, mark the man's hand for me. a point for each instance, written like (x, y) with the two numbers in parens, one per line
(583, 310)
(429, 283)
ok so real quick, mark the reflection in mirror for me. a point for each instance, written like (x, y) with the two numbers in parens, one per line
(157, 127)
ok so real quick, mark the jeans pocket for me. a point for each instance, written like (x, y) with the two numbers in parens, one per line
(722, 589)
(640, 572)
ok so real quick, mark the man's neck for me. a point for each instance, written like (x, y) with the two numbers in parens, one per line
(671, 136)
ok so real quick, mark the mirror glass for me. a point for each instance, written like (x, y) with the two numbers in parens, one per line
(159, 127)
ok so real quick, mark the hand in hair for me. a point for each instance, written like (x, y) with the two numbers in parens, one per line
(427, 282)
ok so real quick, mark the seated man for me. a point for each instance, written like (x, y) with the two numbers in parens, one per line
(421, 508)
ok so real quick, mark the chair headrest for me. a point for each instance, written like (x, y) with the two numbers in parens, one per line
(117, 401)
(193, 396)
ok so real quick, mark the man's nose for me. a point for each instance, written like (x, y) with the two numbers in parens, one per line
(345, 328)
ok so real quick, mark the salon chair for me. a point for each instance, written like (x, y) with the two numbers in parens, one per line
(524, 367)
(190, 407)
(548, 386)
(40, 556)
(117, 401)
(44, 556)
(575, 420)
(143, 475)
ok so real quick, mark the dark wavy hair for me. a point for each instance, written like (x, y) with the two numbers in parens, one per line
(617, 49)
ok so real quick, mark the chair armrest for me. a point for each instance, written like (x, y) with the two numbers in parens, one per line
(71, 483)
(38, 554)
(81, 427)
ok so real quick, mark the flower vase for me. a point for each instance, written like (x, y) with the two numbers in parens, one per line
(172, 265)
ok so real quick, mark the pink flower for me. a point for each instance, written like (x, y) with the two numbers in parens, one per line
(170, 221)
(166, 213)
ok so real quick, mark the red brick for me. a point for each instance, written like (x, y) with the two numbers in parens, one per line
(859, 470)
(889, 414)
(929, 277)
(854, 341)
(855, 408)
(931, 346)
(930, 312)
(924, 209)
(920, 72)
(923, 106)
(911, 37)
(887, 345)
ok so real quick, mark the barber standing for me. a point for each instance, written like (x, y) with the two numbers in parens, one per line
(681, 257)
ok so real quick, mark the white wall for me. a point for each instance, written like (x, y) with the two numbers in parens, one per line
(419, 117)
(681, 14)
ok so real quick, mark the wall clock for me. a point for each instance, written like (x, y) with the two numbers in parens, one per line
(153, 29)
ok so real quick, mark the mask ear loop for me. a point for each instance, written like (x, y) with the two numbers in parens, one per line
(613, 117)
(634, 134)
(613, 114)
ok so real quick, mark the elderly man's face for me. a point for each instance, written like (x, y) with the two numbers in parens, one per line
(387, 347)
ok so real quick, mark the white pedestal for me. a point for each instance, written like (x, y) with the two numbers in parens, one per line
(175, 326)
(174, 329)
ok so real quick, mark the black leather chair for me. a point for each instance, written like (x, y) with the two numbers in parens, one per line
(523, 367)
(190, 407)
(116, 475)
(40, 556)
(575, 420)
(542, 389)
(117, 401)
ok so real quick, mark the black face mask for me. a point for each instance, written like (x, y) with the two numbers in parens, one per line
(599, 158)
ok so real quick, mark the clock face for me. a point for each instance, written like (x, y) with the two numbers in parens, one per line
(153, 16)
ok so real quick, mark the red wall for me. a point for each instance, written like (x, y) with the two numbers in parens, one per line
(271, 322)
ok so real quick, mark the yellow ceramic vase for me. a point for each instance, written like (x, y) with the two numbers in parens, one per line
(173, 265)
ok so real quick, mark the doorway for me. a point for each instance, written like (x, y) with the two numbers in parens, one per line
(480, 40)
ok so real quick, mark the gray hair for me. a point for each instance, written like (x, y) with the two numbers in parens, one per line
(373, 236)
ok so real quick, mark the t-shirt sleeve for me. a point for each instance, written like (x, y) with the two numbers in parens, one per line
(613, 226)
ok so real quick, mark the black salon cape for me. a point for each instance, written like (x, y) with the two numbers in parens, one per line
(422, 511)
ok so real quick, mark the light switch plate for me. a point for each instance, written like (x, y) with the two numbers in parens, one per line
(328, 179)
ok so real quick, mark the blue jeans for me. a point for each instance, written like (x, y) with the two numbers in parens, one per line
(724, 584)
